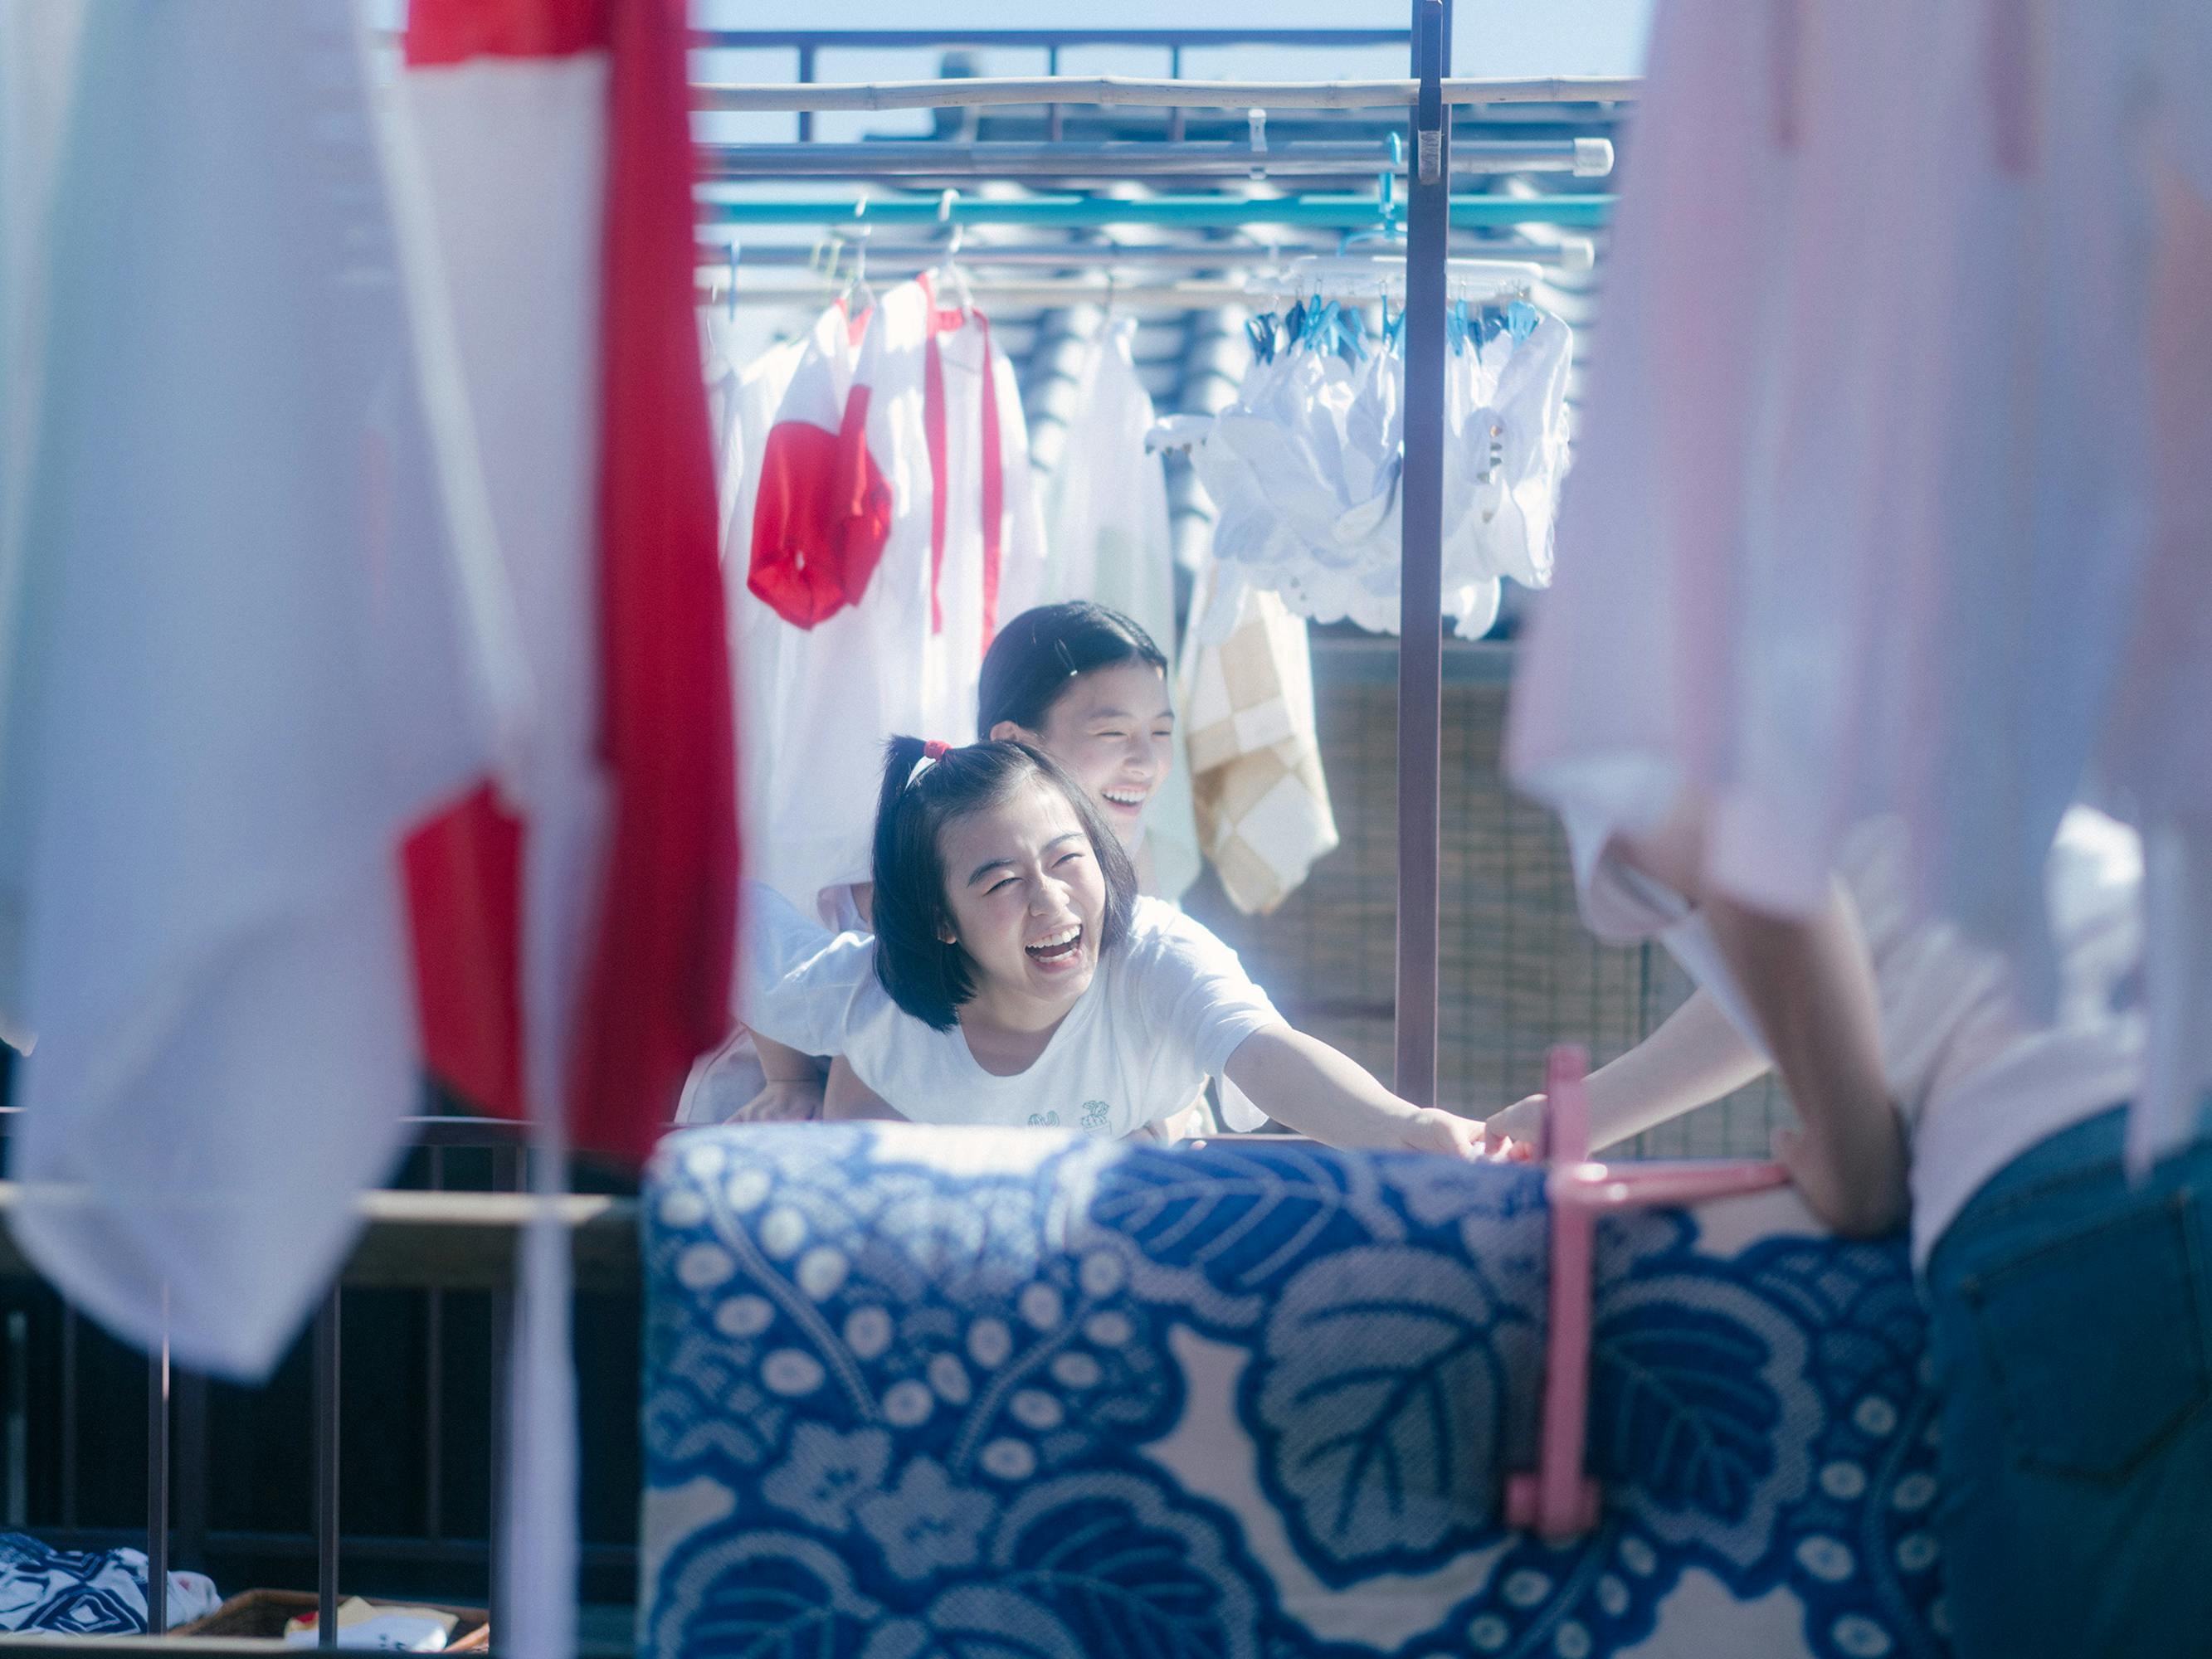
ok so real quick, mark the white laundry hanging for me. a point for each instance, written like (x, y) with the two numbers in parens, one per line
(894, 523)
(1305, 467)
(1108, 532)
(1866, 482)
(246, 662)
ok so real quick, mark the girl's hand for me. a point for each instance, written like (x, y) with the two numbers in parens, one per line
(1522, 1124)
(1428, 1130)
(782, 1101)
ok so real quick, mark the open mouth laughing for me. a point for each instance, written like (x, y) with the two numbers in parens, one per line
(1059, 950)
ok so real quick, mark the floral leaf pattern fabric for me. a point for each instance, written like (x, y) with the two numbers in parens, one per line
(1022, 1394)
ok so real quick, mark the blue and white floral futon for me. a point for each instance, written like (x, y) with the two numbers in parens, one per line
(920, 1394)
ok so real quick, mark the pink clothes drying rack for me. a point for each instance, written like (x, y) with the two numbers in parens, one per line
(1557, 1499)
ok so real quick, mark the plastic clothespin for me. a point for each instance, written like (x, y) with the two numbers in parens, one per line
(1256, 121)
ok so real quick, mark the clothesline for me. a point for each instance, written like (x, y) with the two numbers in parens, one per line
(1333, 212)
(1187, 295)
(1569, 254)
(1585, 158)
(1116, 91)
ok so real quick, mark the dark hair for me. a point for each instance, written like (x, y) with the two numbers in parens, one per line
(926, 977)
(1030, 664)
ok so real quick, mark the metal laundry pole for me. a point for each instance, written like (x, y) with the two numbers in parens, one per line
(1420, 586)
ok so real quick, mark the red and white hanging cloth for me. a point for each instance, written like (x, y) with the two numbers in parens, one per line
(894, 526)
(574, 921)
(577, 935)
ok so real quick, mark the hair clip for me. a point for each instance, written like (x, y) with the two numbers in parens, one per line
(931, 752)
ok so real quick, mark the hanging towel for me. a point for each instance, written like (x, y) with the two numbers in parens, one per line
(1262, 802)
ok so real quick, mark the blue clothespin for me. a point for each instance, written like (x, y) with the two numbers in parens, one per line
(1521, 318)
(1351, 334)
(1456, 328)
(1261, 331)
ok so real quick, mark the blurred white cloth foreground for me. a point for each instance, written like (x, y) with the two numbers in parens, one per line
(243, 662)
(1892, 492)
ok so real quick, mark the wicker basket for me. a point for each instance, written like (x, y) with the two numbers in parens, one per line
(263, 1614)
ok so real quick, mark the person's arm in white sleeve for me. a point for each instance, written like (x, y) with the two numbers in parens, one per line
(1304, 1085)
(1202, 1000)
(845, 1098)
(791, 1087)
(1695, 1056)
(1808, 983)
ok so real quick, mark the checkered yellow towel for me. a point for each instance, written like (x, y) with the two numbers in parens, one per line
(1247, 692)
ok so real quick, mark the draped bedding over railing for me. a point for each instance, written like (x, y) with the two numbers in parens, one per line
(915, 1393)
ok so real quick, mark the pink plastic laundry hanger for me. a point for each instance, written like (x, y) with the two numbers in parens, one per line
(1558, 1500)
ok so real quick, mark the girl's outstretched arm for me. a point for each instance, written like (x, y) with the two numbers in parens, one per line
(1304, 1085)
(1696, 1055)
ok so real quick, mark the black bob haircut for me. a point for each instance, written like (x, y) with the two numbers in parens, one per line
(926, 977)
(1030, 664)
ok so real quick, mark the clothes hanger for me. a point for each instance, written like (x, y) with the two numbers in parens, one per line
(856, 287)
(950, 269)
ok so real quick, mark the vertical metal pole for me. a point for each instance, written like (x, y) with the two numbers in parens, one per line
(434, 1395)
(1420, 628)
(157, 1480)
(19, 1420)
(191, 1390)
(506, 1175)
(69, 1419)
(327, 1471)
(1055, 124)
(806, 78)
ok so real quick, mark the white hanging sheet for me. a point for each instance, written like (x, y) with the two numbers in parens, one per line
(1108, 532)
(244, 666)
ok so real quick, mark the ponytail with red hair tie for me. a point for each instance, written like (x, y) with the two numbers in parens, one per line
(931, 752)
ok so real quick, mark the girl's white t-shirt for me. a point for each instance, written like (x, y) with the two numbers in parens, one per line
(1164, 1013)
(1976, 1083)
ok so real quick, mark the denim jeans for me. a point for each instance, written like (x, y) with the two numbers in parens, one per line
(2068, 1333)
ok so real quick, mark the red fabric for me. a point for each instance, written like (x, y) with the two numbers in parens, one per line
(660, 938)
(995, 490)
(822, 518)
(933, 419)
(933, 437)
(860, 502)
(657, 993)
(454, 31)
(464, 881)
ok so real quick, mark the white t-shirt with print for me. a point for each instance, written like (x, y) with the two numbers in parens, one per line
(1164, 1013)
